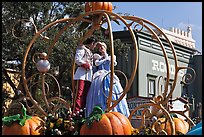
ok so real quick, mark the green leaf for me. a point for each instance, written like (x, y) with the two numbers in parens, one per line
(95, 115)
(8, 120)
(25, 116)
(24, 110)
(22, 121)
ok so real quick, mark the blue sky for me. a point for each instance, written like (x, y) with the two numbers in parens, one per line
(166, 15)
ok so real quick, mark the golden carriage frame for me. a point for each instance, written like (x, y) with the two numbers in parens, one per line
(106, 17)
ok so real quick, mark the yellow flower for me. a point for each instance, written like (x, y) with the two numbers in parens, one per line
(135, 131)
(59, 121)
(67, 124)
(51, 125)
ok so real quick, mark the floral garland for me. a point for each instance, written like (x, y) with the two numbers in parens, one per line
(63, 126)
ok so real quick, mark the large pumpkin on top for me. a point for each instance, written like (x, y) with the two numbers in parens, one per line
(111, 123)
(181, 126)
(93, 6)
(32, 127)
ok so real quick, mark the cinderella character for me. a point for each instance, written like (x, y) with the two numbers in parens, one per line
(99, 90)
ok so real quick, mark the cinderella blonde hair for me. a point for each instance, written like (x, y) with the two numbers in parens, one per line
(102, 44)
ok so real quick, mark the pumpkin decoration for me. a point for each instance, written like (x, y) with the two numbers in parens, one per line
(110, 123)
(181, 126)
(93, 6)
(21, 124)
(32, 127)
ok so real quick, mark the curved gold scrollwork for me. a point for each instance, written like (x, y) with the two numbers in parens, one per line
(44, 104)
(158, 83)
(126, 80)
(139, 23)
(26, 21)
(188, 78)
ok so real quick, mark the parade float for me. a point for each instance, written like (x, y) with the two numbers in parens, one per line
(50, 114)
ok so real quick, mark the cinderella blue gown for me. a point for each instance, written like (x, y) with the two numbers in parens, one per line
(99, 91)
(196, 130)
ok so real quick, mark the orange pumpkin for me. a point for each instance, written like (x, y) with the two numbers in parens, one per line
(92, 6)
(32, 127)
(111, 123)
(110, 6)
(181, 126)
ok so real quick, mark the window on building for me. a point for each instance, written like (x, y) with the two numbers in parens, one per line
(161, 88)
(151, 86)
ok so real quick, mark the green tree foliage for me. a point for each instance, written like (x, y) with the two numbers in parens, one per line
(18, 31)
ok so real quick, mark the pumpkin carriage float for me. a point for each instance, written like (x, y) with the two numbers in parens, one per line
(51, 114)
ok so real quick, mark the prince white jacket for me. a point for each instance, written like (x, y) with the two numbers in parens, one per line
(83, 55)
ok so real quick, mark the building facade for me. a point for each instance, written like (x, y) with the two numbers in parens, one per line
(152, 66)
